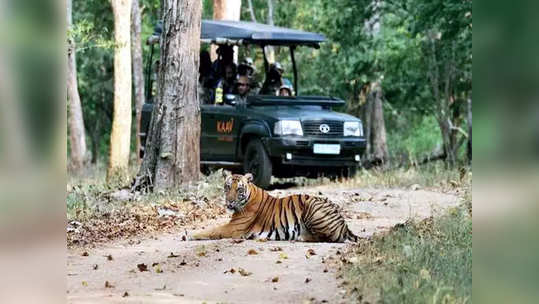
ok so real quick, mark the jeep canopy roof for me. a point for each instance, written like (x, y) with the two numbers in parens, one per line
(241, 32)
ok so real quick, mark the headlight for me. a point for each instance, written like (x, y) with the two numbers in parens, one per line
(353, 128)
(288, 127)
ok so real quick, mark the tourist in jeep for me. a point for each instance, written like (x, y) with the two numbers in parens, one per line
(242, 88)
(285, 90)
(274, 80)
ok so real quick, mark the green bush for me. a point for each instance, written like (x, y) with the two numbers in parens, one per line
(419, 262)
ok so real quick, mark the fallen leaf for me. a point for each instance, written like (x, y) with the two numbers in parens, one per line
(275, 280)
(109, 257)
(142, 267)
(108, 284)
(307, 280)
(158, 268)
(184, 238)
(201, 251)
(126, 294)
(252, 252)
(85, 253)
(96, 266)
(172, 255)
(276, 249)
(231, 270)
(244, 272)
(311, 252)
(155, 264)
(283, 256)
(278, 262)
(84, 283)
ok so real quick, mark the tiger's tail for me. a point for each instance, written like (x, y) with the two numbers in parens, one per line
(350, 236)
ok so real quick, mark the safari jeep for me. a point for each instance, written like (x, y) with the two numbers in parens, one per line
(272, 135)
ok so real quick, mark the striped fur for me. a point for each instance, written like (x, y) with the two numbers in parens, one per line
(258, 215)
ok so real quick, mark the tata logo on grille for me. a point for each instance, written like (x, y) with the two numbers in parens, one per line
(324, 128)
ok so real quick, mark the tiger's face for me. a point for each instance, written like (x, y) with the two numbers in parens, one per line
(237, 190)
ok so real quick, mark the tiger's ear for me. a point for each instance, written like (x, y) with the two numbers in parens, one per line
(249, 177)
(226, 173)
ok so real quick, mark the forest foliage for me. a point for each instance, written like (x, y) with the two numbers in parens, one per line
(406, 45)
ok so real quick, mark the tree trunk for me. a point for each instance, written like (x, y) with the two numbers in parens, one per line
(374, 128)
(76, 122)
(172, 155)
(270, 51)
(469, 146)
(378, 132)
(225, 10)
(138, 74)
(117, 172)
(251, 10)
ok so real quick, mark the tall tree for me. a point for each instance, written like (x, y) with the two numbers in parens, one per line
(270, 51)
(447, 57)
(138, 75)
(121, 123)
(76, 122)
(225, 10)
(172, 154)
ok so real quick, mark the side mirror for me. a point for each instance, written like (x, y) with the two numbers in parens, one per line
(230, 99)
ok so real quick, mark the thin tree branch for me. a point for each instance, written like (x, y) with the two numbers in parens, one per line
(251, 10)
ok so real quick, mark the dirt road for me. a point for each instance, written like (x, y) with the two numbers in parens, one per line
(227, 271)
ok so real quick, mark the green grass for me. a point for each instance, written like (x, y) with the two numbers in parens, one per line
(420, 262)
(432, 176)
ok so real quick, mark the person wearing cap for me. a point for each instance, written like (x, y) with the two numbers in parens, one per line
(274, 80)
(246, 67)
(243, 89)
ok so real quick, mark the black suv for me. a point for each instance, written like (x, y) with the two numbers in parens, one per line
(272, 135)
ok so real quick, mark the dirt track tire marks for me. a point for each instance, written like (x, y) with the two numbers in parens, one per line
(200, 271)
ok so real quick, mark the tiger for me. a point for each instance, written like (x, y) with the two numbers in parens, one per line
(258, 215)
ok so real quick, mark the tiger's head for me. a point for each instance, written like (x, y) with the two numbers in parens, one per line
(237, 190)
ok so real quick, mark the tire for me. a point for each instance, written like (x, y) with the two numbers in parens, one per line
(257, 162)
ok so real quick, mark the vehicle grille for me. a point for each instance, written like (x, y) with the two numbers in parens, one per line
(312, 128)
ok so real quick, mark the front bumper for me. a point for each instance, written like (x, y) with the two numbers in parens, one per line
(300, 151)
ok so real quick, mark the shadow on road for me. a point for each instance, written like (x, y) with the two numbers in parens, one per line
(281, 186)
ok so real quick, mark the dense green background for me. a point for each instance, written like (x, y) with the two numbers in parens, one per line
(352, 58)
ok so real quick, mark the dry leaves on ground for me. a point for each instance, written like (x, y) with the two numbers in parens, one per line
(310, 253)
(142, 267)
(244, 272)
